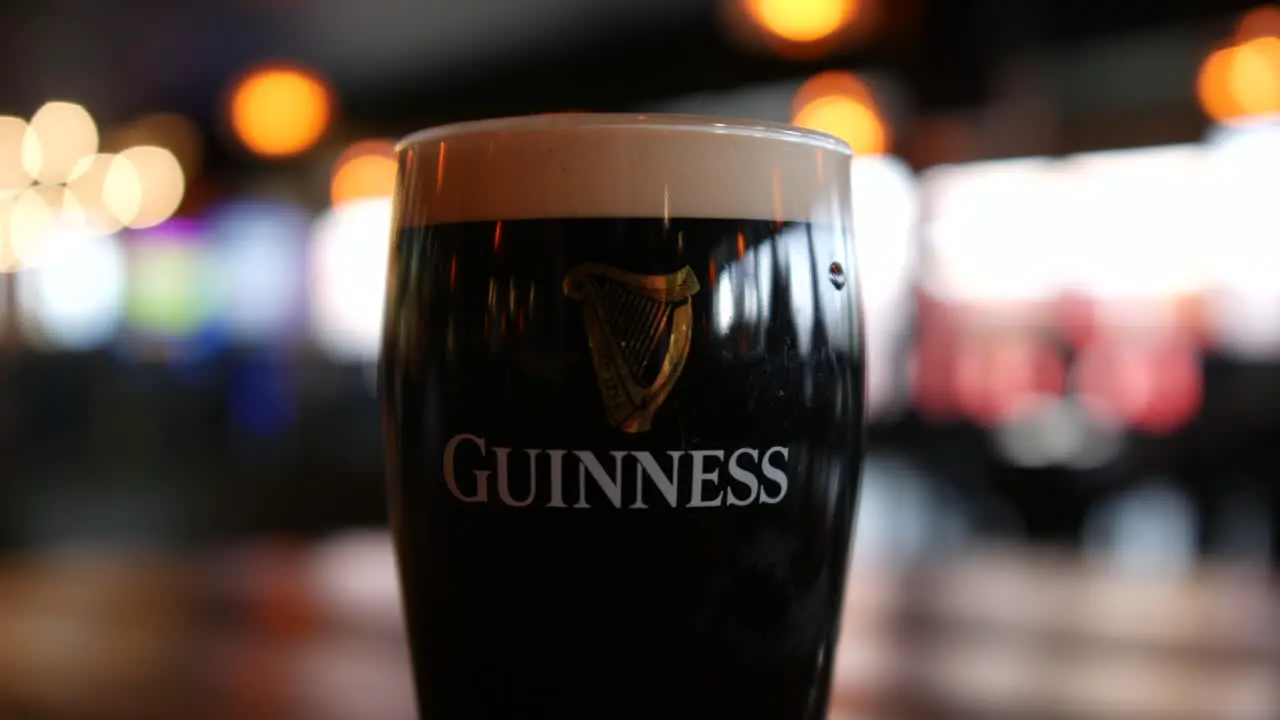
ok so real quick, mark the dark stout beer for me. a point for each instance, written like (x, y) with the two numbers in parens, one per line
(622, 376)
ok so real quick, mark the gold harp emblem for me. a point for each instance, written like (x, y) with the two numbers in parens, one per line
(638, 327)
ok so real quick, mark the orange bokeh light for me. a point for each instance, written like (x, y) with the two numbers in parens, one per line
(1255, 76)
(280, 111)
(1260, 22)
(1214, 86)
(366, 170)
(1243, 78)
(802, 21)
(840, 104)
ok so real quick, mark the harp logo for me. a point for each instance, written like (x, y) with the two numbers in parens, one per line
(638, 328)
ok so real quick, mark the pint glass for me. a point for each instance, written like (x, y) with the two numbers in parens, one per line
(622, 384)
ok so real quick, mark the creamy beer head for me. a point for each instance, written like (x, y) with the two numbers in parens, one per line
(626, 166)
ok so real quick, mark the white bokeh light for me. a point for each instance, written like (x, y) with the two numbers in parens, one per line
(13, 175)
(350, 246)
(1137, 222)
(992, 230)
(60, 134)
(259, 247)
(1244, 293)
(886, 206)
(723, 316)
(74, 299)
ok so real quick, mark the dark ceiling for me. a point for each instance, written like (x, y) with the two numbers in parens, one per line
(401, 64)
(157, 52)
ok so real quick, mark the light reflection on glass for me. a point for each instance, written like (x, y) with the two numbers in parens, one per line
(722, 315)
(744, 297)
(493, 319)
(513, 298)
(794, 245)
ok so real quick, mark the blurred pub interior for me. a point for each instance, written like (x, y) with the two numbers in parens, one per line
(1070, 256)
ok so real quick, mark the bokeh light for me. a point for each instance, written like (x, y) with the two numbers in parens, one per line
(60, 134)
(259, 248)
(1214, 85)
(365, 170)
(170, 292)
(280, 111)
(1244, 302)
(1242, 79)
(1157, 389)
(74, 300)
(350, 246)
(1259, 22)
(122, 190)
(160, 186)
(1057, 431)
(175, 133)
(977, 219)
(1136, 226)
(1255, 76)
(802, 21)
(13, 175)
(103, 190)
(840, 104)
(885, 227)
(8, 260)
(33, 217)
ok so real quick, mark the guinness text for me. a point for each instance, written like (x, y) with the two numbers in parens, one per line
(476, 472)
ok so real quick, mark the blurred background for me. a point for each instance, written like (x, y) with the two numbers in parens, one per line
(1063, 227)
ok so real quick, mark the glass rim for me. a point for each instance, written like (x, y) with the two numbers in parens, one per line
(662, 122)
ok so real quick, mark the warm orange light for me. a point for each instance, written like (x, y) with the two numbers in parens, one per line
(1259, 22)
(366, 170)
(1213, 85)
(840, 104)
(1255, 76)
(802, 20)
(280, 111)
(1241, 80)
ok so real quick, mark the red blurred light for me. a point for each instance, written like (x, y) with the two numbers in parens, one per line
(1077, 319)
(1157, 389)
(931, 376)
(994, 382)
(1180, 391)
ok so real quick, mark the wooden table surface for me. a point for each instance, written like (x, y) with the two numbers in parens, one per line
(284, 631)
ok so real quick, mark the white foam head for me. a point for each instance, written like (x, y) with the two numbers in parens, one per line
(623, 166)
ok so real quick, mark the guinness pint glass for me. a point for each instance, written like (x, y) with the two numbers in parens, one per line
(622, 384)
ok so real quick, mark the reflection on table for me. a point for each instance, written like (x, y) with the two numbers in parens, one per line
(290, 631)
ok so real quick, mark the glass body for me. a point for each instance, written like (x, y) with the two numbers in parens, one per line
(622, 382)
